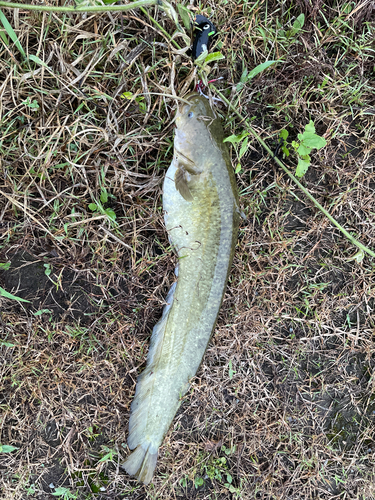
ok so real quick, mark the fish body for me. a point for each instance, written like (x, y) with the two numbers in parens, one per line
(200, 202)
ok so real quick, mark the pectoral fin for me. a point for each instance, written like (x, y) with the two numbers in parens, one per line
(187, 164)
(181, 182)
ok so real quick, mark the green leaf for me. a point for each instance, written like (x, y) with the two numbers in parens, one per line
(4, 266)
(263, 33)
(4, 448)
(127, 95)
(199, 481)
(302, 167)
(243, 147)
(185, 15)
(61, 491)
(215, 56)
(359, 256)
(310, 128)
(48, 269)
(93, 207)
(60, 165)
(32, 104)
(233, 139)
(104, 196)
(142, 107)
(111, 214)
(258, 69)
(4, 37)
(108, 456)
(42, 311)
(313, 140)
(37, 60)
(242, 81)
(298, 24)
(7, 344)
(303, 150)
(231, 372)
(244, 76)
(201, 59)
(238, 168)
(284, 134)
(11, 33)
(7, 295)
(285, 150)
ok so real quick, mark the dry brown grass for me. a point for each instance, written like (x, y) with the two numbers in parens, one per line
(286, 391)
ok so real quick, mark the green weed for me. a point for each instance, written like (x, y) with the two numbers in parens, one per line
(5, 448)
(308, 141)
(7, 295)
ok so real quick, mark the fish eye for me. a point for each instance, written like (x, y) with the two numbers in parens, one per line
(191, 114)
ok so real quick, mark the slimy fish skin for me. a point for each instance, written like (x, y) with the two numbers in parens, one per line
(200, 203)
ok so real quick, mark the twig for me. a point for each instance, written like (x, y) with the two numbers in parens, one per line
(115, 238)
(27, 211)
(160, 28)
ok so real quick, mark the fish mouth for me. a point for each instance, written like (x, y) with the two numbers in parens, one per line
(188, 98)
(191, 96)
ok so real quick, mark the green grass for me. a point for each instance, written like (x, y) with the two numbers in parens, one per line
(283, 405)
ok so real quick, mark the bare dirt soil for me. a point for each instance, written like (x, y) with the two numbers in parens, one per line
(283, 406)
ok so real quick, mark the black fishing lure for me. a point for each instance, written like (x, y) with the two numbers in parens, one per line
(203, 33)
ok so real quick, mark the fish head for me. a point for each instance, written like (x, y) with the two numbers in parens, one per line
(188, 114)
(193, 120)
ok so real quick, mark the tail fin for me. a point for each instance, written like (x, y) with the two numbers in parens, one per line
(141, 463)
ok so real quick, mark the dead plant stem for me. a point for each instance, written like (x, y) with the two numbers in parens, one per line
(93, 8)
(351, 238)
